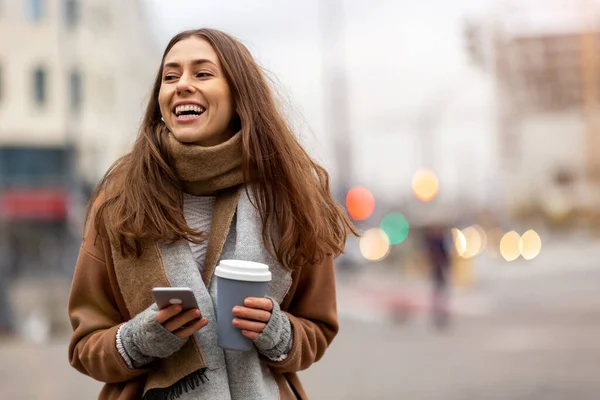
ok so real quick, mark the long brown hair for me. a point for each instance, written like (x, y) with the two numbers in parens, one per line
(301, 221)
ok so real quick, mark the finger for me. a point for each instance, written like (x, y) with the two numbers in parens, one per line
(167, 313)
(262, 303)
(251, 313)
(249, 325)
(180, 320)
(193, 328)
(250, 334)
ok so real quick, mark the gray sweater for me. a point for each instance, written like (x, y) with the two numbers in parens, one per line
(142, 339)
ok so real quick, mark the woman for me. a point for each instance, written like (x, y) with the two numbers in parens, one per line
(215, 173)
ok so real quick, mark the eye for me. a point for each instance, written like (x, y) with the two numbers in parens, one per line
(203, 75)
(170, 77)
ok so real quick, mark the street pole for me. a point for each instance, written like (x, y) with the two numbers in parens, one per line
(589, 82)
(69, 50)
(337, 102)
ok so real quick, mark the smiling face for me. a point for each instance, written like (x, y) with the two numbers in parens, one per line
(194, 98)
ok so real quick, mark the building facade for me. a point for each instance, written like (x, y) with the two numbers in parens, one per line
(74, 76)
(544, 58)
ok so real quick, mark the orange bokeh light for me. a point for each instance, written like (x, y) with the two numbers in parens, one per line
(425, 185)
(360, 203)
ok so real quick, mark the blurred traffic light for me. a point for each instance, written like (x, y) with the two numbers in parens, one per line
(360, 203)
(425, 185)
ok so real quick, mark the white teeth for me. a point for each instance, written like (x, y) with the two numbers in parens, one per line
(189, 107)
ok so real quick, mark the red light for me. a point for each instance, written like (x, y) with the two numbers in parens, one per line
(360, 203)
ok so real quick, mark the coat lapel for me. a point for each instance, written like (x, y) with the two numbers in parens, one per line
(137, 277)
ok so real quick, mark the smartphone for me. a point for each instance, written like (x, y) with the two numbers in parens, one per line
(166, 296)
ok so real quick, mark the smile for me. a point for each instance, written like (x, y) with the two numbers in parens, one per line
(188, 112)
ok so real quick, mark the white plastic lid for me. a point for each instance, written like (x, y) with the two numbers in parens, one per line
(240, 270)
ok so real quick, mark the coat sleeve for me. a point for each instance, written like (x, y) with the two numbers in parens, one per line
(312, 312)
(94, 313)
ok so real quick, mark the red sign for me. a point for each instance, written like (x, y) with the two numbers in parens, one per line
(34, 204)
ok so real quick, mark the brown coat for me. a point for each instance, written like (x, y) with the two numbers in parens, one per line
(97, 308)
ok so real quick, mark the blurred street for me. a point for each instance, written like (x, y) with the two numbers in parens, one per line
(531, 337)
(535, 338)
(462, 137)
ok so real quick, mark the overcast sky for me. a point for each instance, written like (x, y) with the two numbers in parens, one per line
(404, 59)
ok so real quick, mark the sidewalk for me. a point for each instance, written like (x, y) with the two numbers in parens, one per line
(374, 295)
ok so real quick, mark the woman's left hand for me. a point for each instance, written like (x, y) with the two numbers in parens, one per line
(253, 318)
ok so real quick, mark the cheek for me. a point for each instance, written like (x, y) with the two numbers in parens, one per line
(163, 100)
(222, 94)
(228, 105)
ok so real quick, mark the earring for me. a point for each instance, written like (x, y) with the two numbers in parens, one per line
(162, 119)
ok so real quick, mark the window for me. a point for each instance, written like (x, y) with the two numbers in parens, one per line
(31, 166)
(35, 10)
(71, 13)
(75, 91)
(39, 86)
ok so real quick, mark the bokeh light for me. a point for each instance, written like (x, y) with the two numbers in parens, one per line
(374, 245)
(484, 237)
(460, 242)
(509, 246)
(475, 239)
(425, 185)
(396, 227)
(530, 245)
(360, 203)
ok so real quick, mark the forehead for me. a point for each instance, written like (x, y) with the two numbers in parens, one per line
(190, 49)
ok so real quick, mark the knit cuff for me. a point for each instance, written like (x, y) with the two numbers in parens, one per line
(276, 340)
(122, 350)
(143, 339)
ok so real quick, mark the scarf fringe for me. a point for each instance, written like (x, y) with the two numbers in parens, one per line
(187, 384)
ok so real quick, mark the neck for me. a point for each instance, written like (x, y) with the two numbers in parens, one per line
(205, 171)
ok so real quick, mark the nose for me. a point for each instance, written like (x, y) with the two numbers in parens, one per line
(184, 85)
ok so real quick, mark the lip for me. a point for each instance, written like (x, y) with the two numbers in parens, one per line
(187, 120)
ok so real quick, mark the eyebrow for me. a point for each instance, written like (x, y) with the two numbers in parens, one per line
(195, 62)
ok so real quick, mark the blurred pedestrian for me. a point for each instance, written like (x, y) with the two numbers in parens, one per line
(216, 172)
(6, 316)
(438, 255)
(8, 269)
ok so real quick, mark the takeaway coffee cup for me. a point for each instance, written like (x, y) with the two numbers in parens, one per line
(237, 280)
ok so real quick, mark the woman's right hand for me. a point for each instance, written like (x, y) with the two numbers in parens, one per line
(182, 324)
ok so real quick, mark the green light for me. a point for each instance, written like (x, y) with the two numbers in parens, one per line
(396, 226)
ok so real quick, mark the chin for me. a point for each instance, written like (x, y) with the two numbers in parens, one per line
(188, 137)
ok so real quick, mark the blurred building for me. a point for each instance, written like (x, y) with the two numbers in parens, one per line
(544, 58)
(73, 79)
